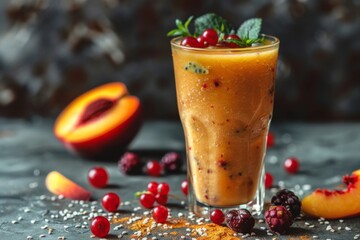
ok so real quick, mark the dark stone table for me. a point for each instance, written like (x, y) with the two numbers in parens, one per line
(28, 151)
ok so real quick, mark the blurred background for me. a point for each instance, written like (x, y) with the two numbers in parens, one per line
(52, 51)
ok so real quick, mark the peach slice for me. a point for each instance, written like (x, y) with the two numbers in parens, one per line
(58, 184)
(336, 203)
(101, 122)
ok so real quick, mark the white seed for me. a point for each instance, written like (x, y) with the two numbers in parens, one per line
(29, 237)
(33, 221)
(347, 229)
(42, 236)
(14, 222)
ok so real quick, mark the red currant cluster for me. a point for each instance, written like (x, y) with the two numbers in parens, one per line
(291, 165)
(210, 38)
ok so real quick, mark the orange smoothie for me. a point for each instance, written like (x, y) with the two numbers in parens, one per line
(225, 100)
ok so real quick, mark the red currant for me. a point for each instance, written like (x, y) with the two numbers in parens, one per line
(268, 180)
(292, 165)
(232, 44)
(160, 214)
(211, 36)
(147, 200)
(98, 177)
(161, 198)
(100, 226)
(270, 140)
(217, 216)
(153, 168)
(153, 187)
(190, 42)
(202, 41)
(184, 187)
(163, 188)
(111, 202)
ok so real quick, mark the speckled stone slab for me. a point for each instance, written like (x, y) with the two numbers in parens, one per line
(28, 151)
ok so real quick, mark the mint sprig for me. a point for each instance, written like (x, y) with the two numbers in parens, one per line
(182, 28)
(211, 20)
(250, 29)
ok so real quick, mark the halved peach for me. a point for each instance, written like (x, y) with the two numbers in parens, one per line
(58, 184)
(334, 204)
(101, 122)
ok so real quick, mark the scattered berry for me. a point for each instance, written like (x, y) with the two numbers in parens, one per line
(269, 179)
(211, 36)
(278, 219)
(161, 198)
(153, 187)
(153, 168)
(217, 216)
(147, 200)
(270, 140)
(111, 202)
(160, 214)
(289, 200)
(100, 226)
(163, 188)
(190, 42)
(171, 162)
(291, 165)
(240, 220)
(184, 187)
(98, 177)
(130, 164)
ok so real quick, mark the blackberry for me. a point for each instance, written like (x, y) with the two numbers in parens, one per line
(240, 220)
(278, 219)
(289, 200)
(171, 162)
(130, 164)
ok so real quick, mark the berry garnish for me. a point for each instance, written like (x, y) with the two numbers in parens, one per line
(171, 162)
(278, 219)
(217, 216)
(228, 40)
(202, 41)
(147, 200)
(100, 226)
(190, 42)
(240, 220)
(289, 200)
(163, 188)
(270, 140)
(211, 36)
(213, 30)
(268, 180)
(98, 177)
(130, 163)
(161, 198)
(184, 187)
(153, 187)
(291, 165)
(153, 168)
(110, 202)
(160, 214)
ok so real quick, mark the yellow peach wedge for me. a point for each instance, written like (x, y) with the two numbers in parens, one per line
(58, 184)
(335, 204)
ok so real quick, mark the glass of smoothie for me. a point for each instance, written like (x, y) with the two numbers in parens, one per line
(225, 100)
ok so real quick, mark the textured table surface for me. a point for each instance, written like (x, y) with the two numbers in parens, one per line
(28, 151)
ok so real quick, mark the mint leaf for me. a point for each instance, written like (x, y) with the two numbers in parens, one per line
(250, 29)
(211, 20)
(182, 28)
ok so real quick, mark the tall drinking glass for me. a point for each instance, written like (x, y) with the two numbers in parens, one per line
(225, 100)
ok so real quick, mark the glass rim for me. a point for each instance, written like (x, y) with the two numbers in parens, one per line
(274, 43)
